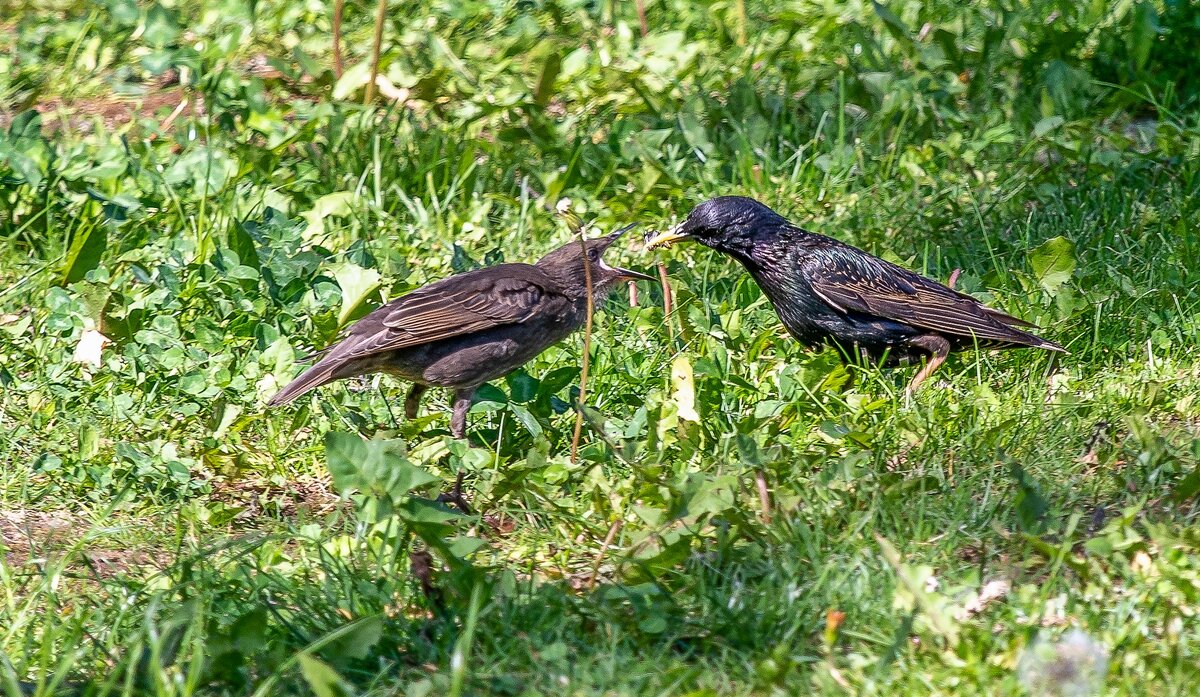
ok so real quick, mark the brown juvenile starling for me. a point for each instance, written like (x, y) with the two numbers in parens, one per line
(827, 292)
(465, 330)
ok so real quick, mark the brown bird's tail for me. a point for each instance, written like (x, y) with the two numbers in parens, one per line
(1019, 338)
(315, 376)
(1020, 329)
(1035, 341)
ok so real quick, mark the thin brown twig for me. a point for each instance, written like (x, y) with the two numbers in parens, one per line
(608, 540)
(587, 348)
(166, 124)
(380, 14)
(764, 495)
(339, 7)
(633, 294)
(953, 278)
(641, 10)
(668, 304)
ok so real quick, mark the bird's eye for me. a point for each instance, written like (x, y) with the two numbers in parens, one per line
(593, 254)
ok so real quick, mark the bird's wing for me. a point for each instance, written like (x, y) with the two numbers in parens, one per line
(875, 287)
(470, 302)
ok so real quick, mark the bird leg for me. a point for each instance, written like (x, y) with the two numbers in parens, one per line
(938, 349)
(458, 418)
(455, 495)
(458, 429)
(413, 400)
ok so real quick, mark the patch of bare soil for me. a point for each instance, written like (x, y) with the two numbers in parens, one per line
(304, 496)
(43, 537)
(163, 97)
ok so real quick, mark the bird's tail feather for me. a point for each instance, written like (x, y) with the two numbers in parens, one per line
(317, 354)
(1009, 319)
(1051, 346)
(314, 377)
(1033, 340)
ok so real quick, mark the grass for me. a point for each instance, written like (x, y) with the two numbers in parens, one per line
(165, 534)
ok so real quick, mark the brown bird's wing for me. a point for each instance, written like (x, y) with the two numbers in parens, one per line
(454, 306)
(463, 304)
(873, 286)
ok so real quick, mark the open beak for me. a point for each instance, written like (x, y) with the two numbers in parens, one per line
(636, 275)
(626, 273)
(666, 239)
(613, 236)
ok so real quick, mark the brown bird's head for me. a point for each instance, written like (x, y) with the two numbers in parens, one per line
(730, 224)
(565, 265)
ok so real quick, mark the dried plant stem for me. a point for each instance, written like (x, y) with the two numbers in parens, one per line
(764, 495)
(339, 7)
(587, 349)
(641, 10)
(380, 14)
(608, 540)
(166, 124)
(668, 303)
(953, 278)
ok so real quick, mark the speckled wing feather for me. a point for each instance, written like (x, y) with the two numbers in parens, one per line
(872, 286)
(457, 305)
(470, 302)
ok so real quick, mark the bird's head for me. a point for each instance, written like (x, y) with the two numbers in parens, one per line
(565, 265)
(729, 224)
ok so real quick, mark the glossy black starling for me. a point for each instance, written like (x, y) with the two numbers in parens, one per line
(465, 330)
(828, 292)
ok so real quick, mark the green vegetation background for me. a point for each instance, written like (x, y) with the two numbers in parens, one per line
(193, 182)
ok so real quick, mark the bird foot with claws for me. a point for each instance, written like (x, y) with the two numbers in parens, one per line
(455, 496)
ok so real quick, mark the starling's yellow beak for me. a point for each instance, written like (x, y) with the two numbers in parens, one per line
(666, 239)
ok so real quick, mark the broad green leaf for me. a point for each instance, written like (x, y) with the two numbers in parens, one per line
(26, 126)
(357, 284)
(894, 24)
(557, 379)
(545, 86)
(527, 419)
(324, 680)
(704, 495)
(522, 386)
(684, 388)
(337, 203)
(1053, 262)
(1143, 32)
(357, 644)
(460, 261)
(1189, 487)
(416, 510)
(161, 27)
(242, 244)
(352, 80)
(24, 149)
(462, 546)
(85, 252)
(249, 632)
(123, 12)
(1046, 125)
(373, 467)
(228, 414)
